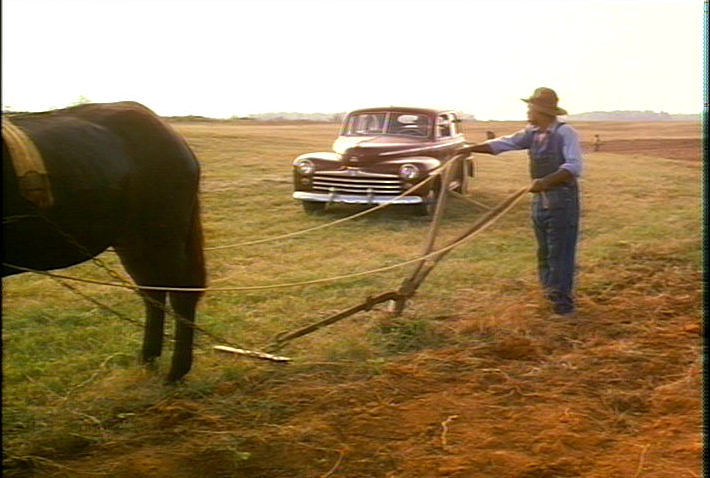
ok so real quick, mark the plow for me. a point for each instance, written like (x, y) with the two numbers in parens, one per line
(399, 298)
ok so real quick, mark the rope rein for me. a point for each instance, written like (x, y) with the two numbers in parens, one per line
(121, 282)
(491, 217)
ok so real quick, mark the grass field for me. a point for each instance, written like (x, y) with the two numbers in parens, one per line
(476, 379)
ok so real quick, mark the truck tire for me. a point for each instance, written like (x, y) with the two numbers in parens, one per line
(313, 207)
(428, 206)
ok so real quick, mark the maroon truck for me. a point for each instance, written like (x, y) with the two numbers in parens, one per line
(379, 155)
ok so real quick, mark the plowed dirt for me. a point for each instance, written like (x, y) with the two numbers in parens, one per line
(671, 148)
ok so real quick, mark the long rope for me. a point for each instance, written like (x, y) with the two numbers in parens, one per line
(100, 304)
(490, 218)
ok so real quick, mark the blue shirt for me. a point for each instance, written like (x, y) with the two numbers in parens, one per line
(571, 149)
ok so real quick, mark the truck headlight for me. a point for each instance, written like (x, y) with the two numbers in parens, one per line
(408, 172)
(305, 167)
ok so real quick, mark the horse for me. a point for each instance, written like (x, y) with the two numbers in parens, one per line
(118, 176)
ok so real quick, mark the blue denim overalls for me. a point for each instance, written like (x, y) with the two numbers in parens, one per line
(555, 216)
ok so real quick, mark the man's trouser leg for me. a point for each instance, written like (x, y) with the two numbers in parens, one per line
(555, 220)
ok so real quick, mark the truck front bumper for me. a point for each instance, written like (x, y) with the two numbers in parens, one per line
(355, 199)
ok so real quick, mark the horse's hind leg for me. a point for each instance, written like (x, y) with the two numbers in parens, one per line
(166, 266)
(154, 325)
(169, 256)
(142, 270)
(184, 304)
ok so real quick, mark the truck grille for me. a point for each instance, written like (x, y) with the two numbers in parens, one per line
(357, 183)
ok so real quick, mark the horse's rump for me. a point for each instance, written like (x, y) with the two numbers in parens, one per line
(119, 176)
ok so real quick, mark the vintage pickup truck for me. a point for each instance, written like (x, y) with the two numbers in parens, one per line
(380, 154)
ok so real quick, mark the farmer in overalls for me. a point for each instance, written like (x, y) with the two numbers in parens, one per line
(555, 164)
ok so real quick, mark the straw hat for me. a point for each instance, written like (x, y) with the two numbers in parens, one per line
(545, 100)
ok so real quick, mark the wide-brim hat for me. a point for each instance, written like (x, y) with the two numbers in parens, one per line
(545, 100)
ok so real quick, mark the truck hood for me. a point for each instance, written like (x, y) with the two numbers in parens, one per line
(371, 149)
(343, 143)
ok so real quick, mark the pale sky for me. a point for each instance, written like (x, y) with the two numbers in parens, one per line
(221, 58)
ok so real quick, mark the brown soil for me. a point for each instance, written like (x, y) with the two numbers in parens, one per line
(613, 392)
(671, 148)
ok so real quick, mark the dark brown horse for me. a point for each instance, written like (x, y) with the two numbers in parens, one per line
(119, 177)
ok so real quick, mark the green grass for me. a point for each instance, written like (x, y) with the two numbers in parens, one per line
(70, 374)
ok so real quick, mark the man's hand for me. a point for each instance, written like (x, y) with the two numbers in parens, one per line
(538, 185)
(559, 176)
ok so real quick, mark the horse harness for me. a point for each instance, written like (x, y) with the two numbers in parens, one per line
(28, 164)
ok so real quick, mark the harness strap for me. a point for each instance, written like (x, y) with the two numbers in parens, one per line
(29, 167)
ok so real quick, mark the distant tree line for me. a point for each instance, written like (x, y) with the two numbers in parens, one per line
(632, 116)
(294, 116)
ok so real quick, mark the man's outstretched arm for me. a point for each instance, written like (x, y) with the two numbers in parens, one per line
(478, 148)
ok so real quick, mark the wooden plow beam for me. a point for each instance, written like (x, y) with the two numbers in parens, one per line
(283, 338)
(410, 285)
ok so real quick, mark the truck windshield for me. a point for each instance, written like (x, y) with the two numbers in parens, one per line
(410, 124)
(365, 124)
(392, 122)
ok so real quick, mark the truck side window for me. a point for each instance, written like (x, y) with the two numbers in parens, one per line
(454, 125)
(444, 125)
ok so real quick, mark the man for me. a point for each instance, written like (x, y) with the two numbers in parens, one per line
(555, 164)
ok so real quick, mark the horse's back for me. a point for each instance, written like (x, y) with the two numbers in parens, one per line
(105, 137)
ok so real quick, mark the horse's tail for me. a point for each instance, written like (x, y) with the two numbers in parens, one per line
(195, 248)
